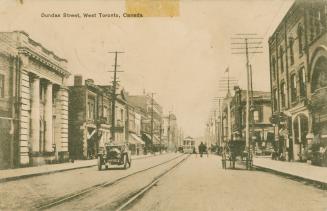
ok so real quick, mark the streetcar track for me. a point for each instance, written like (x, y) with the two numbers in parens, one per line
(129, 201)
(78, 194)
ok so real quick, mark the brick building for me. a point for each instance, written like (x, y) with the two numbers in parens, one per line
(33, 102)
(298, 73)
(234, 118)
(89, 118)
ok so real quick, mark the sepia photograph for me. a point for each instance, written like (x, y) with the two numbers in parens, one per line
(163, 105)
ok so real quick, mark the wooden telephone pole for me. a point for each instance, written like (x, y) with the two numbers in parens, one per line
(250, 45)
(113, 100)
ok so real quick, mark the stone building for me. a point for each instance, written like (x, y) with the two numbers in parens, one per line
(33, 102)
(298, 73)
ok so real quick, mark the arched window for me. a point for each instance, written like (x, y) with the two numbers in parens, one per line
(273, 68)
(302, 82)
(283, 94)
(300, 38)
(281, 56)
(319, 78)
(291, 42)
(293, 87)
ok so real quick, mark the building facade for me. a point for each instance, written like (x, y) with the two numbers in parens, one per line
(34, 102)
(151, 120)
(298, 71)
(89, 118)
(170, 133)
(234, 118)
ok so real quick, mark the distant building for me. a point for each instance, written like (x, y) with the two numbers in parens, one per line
(136, 144)
(151, 115)
(170, 132)
(33, 102)
(298, 64)
(234, 118)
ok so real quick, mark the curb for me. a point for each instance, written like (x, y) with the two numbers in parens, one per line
(24, 176)
(307, 181)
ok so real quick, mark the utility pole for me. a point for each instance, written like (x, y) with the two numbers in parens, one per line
(168, 130)
(252, 108)
(152, 116)
(113, 104)
(249, 39)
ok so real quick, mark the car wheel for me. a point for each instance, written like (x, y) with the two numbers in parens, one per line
(125, 162)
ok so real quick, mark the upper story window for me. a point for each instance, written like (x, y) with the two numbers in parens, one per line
(273, 68)
(312, 24)
(105, 111)
(302, 82)
(256, 116)
(275, 99)
(291, 43)
(90, 109)
(300, 38)
(281, 55)
(2, 86)
(293, 88)
(283, 94)
(318, 21)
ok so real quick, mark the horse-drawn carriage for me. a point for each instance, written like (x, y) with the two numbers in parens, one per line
(234, 150)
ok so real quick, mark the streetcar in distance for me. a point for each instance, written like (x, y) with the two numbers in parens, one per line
(189, 145)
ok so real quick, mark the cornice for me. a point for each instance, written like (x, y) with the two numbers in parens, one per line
(30, 53)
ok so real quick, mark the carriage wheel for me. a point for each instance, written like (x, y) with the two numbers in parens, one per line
(99, 163)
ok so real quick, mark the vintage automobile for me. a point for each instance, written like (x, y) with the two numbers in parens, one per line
(114, 154)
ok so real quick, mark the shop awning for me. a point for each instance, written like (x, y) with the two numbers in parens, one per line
(134, 139)
(156, 140)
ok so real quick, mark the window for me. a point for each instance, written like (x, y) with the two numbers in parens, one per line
(283, 94)
(312, 24)
(318, 22)
(105, 110)
(275, 99)
(291, 42)
(300, 38)
(293, 88)
(281, 53)
(256, 116)
(91, 110)
(2, 86)
(274, 67)
(302, 82)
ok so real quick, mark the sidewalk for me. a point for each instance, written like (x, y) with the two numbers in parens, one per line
(20, 173)
(298, 170)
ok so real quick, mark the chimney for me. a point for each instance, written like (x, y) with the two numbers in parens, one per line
(78, 80)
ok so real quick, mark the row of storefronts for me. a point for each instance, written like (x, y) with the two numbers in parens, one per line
(298, 72)
(44, 120)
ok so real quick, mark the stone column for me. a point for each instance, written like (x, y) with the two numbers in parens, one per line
(48, 118)
(35, 114)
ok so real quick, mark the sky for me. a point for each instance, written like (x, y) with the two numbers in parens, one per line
(181, 59)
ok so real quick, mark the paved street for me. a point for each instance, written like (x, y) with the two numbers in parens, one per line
(201, 184)
(195, 184)
(31, 192)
